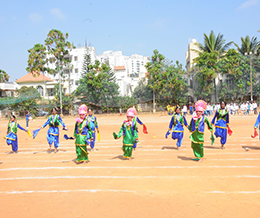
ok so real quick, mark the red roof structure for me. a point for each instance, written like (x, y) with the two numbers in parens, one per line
(29, 77)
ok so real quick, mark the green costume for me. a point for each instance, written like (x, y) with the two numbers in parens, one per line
(82, 133)
(129, 131)
(197, 128)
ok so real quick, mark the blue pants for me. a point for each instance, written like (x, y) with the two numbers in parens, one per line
(178, 136)
(12, 140)
(222, 133)
(92, 144)
(53, 136)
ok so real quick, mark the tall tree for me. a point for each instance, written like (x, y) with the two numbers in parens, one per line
(98, 85)
(37, 60)
(235, 69)
(248, 45)
(58, 47)
(86, 67)
(142, 92)
(3, 76)
(213, 43)
(216, 47)
(166, 79)
(205, 71)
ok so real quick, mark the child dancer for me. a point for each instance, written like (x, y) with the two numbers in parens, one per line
(82, 133)
(11, 138)
(197, 127)
(137, 120)
(129, 131)
(54, 121)
(177, 122)
(92, 120)
(222, 124)
(257, 122)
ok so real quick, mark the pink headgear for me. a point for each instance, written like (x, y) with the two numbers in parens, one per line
(82, 112)
(130, 114)
(83, 109)
(132, 109)
(199, 109)
(201, 105)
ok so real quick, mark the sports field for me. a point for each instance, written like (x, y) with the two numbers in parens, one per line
(159, 182)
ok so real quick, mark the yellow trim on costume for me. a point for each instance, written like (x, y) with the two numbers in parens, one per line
(83, 149)
(221, 127)
(78, 161)
(197, 142)
(53, 134)
(178, 131)
(128, 145)
(10, 139)
(126, 157)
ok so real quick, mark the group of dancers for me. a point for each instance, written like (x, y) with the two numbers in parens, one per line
(197, 127)
(86, 127)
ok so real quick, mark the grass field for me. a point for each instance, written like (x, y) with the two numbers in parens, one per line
(159, 182)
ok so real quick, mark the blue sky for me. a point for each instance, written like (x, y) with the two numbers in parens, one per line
(134, 27)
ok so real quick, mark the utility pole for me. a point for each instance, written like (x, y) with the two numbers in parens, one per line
(61, 112)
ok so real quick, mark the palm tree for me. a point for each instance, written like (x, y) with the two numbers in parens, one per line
(248, 45)
(213, 43)
(3, 76)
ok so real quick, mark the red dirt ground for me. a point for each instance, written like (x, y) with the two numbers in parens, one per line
(159, 182)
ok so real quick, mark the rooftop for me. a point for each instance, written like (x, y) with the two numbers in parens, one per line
(119, 68)
(30, 77)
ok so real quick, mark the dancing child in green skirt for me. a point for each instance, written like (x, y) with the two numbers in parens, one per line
(197, 128)
(129, 132)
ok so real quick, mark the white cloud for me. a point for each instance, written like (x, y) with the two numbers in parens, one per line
(35, 17)
(247, 4)
(56, 12)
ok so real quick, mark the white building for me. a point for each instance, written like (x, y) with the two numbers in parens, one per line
(43, 84)
(73, 71)
(128, 70)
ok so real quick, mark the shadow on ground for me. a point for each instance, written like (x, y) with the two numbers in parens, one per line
(250, 148)
(121, 157)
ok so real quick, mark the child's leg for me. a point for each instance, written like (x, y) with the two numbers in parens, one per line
(82, 154)
(197, 150)
(127, 151)
(15, 145)
(179, 141)
(134, 146)
(92, 144)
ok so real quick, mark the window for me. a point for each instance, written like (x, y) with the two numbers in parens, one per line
(71, 82)
(40, 90)
(75, 58)
(76, 70)
(51, 92)
(77, 82)
(66, 71)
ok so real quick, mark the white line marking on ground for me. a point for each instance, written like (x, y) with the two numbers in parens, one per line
(231, 192)
(124, 167)
(126, 177)
(66, 191)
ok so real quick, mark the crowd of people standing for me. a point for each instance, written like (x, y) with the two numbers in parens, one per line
(244, 108)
